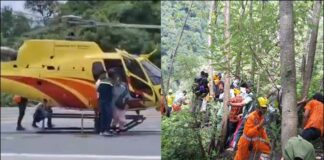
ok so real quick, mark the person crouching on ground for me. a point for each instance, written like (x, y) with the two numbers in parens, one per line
(254, 139)
(42, 111)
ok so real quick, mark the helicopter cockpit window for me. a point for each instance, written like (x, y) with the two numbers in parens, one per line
(133, 66)
(153, 72)
(97, 69)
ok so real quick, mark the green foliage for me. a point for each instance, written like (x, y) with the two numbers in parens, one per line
(178, 137)
(46, 9)
(6, 100)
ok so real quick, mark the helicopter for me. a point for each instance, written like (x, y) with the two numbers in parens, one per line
(64, 73)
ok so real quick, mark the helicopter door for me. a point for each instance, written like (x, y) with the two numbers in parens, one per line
(138, 80)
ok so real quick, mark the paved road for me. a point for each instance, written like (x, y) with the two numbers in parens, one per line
(141, 142)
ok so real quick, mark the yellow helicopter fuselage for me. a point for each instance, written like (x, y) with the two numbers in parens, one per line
(64, 73)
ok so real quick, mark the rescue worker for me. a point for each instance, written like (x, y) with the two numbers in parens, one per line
(179, 102)
(313, 118)
(218, 86)
(236, 109)
(162, 105)
(298, 148)
(254, 139)
(170, 98)
(105, 105)
(22, 104)
(248, 102)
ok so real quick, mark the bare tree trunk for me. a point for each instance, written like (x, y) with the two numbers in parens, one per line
(227, 77)
(173, 55)
(210, 43)
(239, 55)
(312, 48)
(252, 57)
(288, 73)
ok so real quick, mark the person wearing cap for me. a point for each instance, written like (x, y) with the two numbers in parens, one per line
(235, 110)
(254, 140)
(298, 148)
(170, 98)
(313, 122)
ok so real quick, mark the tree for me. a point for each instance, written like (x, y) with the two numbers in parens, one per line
(46, 9)
(288, 72)
(227, 75)
(7, 20)
(312, 48)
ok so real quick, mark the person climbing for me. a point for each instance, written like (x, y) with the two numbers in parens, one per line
(236, 109)
(200, 89)
(218, 86)
(170, 98)
(254, 140)
(313, 118)
(249, 103)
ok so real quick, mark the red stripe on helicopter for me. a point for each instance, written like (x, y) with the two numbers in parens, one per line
(86, 90)
(61, 95)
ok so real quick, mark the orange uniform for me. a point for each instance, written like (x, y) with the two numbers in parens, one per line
(315, 119)
(252, 135)
(162, 106)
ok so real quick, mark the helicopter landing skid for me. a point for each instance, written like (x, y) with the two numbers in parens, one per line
(135, 120)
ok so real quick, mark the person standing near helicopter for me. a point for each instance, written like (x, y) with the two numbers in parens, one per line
(105, 104)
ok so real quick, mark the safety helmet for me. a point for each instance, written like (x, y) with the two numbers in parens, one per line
(263, 102)
(237, 91)
(170, 91)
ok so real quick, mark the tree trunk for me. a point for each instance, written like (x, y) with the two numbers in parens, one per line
(253, 64)
(288, 72)
(227, 77)
(312, 48)
(239, 55)
(173, 55)
(210, 43)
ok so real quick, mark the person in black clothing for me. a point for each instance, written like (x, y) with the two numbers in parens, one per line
(105, 105)
(22, 108)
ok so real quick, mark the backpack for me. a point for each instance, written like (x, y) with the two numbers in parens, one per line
(122, 100)
(200, 86)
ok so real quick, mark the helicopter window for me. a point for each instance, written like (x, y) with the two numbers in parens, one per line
(50, 67)
(141, 86)
(97, 69)
(133, 66)
(114, 63)
(153, 72)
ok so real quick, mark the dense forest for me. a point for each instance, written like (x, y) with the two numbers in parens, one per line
(246, 41)
(49, 23)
